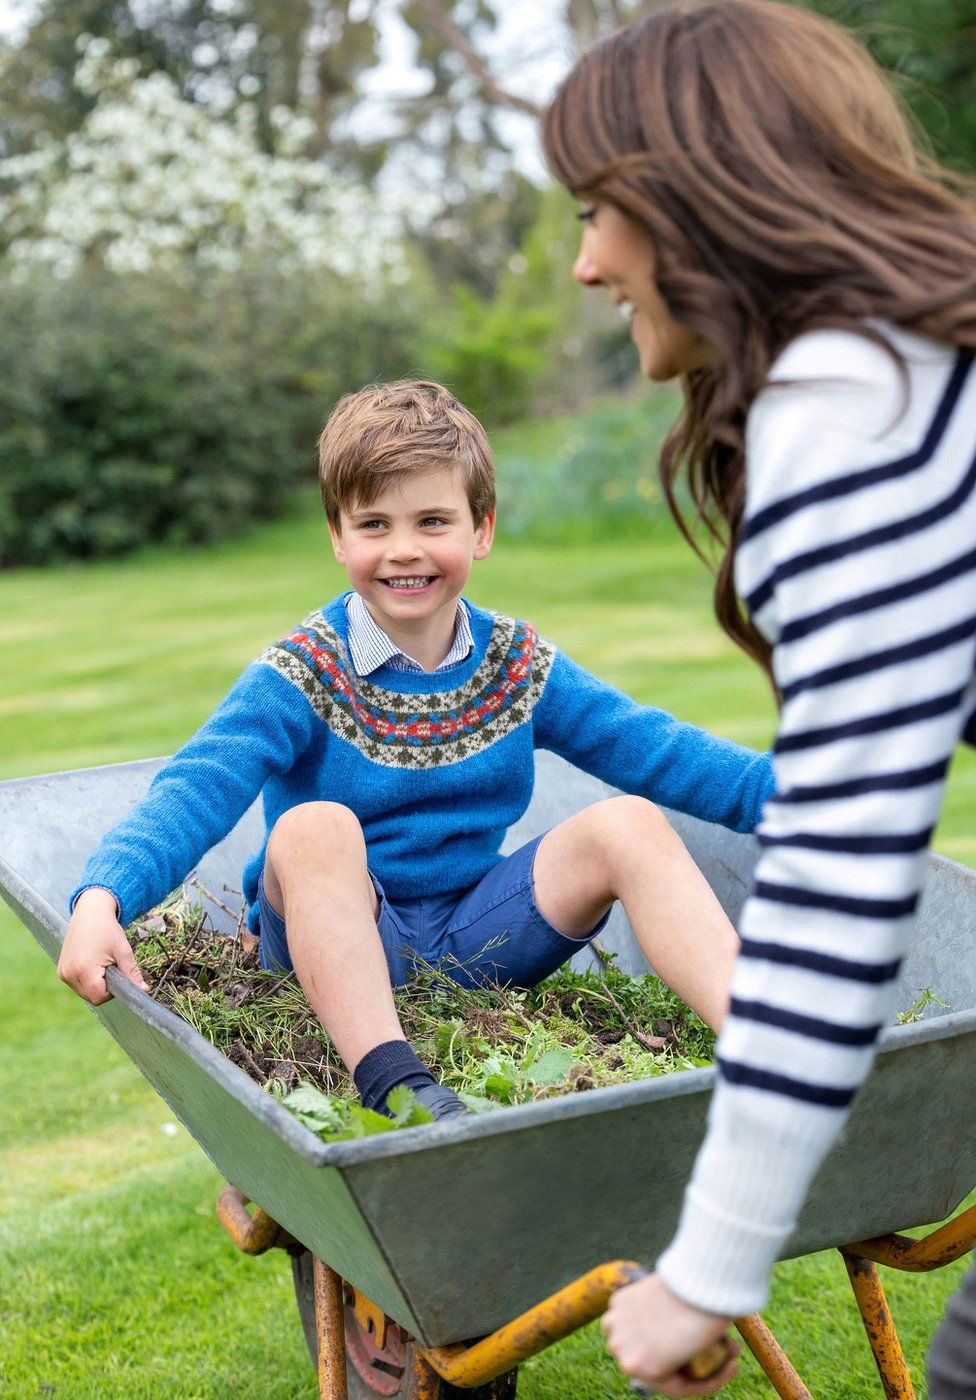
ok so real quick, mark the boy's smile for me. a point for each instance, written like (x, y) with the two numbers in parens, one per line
(408, 554)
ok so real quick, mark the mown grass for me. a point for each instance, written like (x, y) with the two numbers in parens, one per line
(116, 1280)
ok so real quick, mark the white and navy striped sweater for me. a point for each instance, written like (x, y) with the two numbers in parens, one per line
(857, 562)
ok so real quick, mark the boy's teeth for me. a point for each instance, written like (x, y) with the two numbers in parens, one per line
(407, 582)
(627, 310)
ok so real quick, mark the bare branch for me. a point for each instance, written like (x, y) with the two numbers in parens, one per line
(454, 37)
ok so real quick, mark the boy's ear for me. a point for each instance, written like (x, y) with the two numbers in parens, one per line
(484, 535)
(335, 535)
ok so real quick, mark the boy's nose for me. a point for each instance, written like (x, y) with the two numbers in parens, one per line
(405, 546)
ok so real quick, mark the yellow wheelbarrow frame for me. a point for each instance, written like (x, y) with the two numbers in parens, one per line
(586, 1298)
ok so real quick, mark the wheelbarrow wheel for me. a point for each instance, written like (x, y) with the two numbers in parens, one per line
(371, 1372)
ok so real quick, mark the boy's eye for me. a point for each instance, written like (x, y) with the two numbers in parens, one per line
(586, 213)
(433, 520)
(371, 524)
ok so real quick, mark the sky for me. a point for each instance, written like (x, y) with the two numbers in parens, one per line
(11, 12)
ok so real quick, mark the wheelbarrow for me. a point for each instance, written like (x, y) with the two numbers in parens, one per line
(408, 1245)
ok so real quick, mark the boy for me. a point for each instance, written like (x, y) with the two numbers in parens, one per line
(392, 737)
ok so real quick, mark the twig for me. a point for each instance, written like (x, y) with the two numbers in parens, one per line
(649, 1042)
(213, 899)
(168, 971)
(251, 1062)
(281, 982)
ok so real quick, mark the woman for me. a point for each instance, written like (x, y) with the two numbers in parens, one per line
(753, 202)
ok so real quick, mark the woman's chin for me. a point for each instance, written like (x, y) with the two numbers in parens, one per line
(658, 371)
(654, 363)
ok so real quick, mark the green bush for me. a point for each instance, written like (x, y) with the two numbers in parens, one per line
(490, 354)
(135, 410)
(590, 475)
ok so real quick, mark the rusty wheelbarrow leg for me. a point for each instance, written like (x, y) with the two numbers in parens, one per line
(424, 1382)
(330, 1328)
(777, 1366)
(879, 1327)
(255, 1232)
(943, 1246)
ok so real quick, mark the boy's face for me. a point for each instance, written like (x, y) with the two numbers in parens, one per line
(409, 552)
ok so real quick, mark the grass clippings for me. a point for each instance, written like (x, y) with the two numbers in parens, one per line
(491, 1045)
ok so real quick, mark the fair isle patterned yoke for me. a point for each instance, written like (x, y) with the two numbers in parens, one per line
(417, 731)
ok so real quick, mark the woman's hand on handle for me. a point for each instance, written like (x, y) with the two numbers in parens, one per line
(94, 941)
(653, 1333)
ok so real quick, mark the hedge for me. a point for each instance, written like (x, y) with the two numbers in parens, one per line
(138, 410)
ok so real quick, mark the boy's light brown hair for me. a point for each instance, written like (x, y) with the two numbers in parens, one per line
(378, 436)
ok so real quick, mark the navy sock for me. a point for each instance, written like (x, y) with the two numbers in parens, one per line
(382, 1068)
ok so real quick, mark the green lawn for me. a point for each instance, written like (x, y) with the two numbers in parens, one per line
(115, 1280)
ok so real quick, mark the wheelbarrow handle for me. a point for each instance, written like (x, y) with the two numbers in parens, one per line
(549, 1321)
(254, 1232)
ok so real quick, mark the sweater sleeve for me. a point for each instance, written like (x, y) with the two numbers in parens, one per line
(856, 562)
(202, 792)
(647, 751)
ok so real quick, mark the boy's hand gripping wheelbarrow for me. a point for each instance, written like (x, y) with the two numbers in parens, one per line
(455, 1229)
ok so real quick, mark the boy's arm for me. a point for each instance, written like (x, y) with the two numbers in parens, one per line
(648, 752)
(193, 802)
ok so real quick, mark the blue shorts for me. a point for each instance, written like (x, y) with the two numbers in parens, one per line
(491, 932)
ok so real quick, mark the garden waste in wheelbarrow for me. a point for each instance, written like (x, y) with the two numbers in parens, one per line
(454, 1229)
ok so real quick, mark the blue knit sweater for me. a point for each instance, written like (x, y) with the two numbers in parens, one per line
(436, 767)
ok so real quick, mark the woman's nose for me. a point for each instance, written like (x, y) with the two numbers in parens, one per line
(585, 270)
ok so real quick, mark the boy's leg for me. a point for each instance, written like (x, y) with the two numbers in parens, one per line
(624, 848)
(316, 877)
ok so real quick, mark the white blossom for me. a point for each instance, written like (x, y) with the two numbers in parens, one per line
(151, 180)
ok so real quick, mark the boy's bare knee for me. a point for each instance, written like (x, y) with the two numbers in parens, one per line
(315, 829)
(629, 818)
(624, 828)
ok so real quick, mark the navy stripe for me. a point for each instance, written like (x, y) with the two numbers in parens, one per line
(898, 844)
(879, 660)
(880, 598)
(811, 1026)
(850, 969)
(871, 724)
(868, 539)
(887, 471)
(822, 1094)
(873, 782)
(838, 903)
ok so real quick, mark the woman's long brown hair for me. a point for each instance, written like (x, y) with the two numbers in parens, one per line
(769, 160)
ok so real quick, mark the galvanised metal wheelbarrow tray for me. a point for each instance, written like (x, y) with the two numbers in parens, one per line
(407, 1245)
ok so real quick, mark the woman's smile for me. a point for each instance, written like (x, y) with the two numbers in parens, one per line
(617, 253)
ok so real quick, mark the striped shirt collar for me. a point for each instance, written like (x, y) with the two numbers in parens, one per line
(370, 647)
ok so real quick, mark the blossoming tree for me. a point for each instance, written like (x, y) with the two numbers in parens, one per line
(151, 180)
